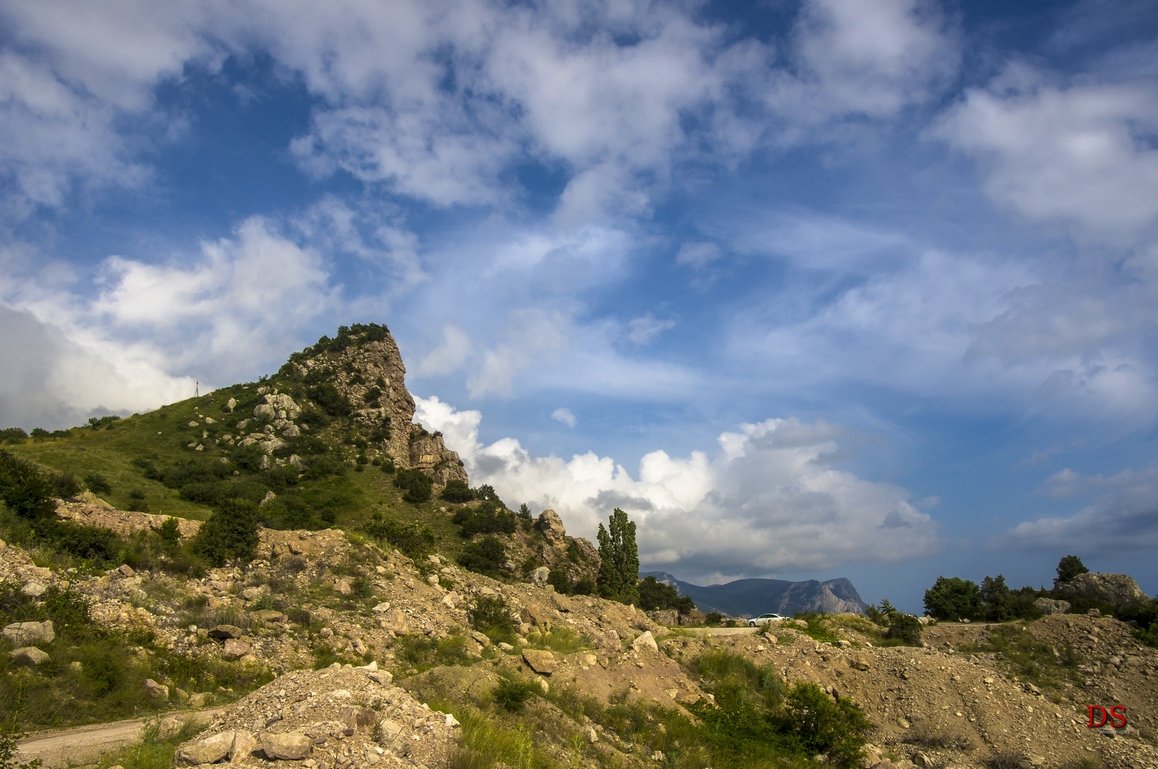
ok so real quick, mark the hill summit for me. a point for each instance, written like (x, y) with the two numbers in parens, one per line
(359, 378)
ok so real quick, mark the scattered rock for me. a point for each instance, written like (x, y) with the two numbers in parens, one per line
(30, 633)
(225, 632)
(156, 691)
(28, 656)
(645, 641)
(205, 750)
(541, 661)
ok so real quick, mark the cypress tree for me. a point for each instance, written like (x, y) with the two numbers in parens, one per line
(618, 560)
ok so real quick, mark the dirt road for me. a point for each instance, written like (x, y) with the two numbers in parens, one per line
(86, 744)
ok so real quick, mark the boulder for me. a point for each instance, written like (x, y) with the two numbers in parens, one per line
(207, 750)
(155, 690)
(645, 641)
(540, 576)
(550, 525)
(285, 746)
(30, 633)
(225, 632)
(28, 656)
(541, 661)
(235, 649)
(1049, 606)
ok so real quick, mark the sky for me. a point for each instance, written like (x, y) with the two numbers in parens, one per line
(810, 289)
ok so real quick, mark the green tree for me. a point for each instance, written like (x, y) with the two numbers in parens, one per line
(1069, 567)
(618, 560)
(996, 599)
(953, 598)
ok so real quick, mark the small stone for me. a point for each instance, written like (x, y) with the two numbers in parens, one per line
(235, 649)
(225, 632)
(388, 730)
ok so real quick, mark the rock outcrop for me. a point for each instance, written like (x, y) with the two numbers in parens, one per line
(1119, 591)
(361, 374)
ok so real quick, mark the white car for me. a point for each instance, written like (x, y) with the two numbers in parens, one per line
(764, 619)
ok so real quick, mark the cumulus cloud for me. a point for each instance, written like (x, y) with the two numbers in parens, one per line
(51, 381)
(217, 315)
(1081, 154)
(1123, 517)
(769, 499)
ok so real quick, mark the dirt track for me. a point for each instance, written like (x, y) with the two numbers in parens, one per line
(86, 744)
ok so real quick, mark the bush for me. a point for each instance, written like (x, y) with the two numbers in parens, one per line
(12, 435)
(486, 518)
(837, 729)
(456, 491)
(416, 485)
(905, 628)
(229, 534)
(97, 483)
(511, 696)
(414, 540)
(24, 488)
(713, 619)
(485, 556)
(490, 616)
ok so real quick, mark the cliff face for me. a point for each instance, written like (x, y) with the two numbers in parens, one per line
(359, 377)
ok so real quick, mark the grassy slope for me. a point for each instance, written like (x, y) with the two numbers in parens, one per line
(164, 437)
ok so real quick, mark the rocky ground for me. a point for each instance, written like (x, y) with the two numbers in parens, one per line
(327, 598)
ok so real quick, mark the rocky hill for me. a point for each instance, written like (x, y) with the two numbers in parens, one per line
(407, 673)
(750, 597)
(368, 642)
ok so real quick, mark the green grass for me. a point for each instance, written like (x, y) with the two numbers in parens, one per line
(817, 627)
(155, 750)
(1028, 658)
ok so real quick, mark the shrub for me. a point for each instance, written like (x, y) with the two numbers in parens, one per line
(456, 491)
(490, 616)
(13, 435)
(905, 628)
(416, 485)
(837, 729)
(65, 485)
(24, 488)
(485, 556)
(713, 618)
(413, 539)
(137, 501)
(230, 533)
(511, 695)
(97, 483)
(486, 518)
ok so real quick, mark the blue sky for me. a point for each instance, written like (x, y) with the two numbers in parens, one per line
(810, 289)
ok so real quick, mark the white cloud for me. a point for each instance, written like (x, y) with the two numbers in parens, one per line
(857, 60)
(221, 315)
(644, 329)
(698, 255)
(451, 353)
(1124, 517)
(51, 381)
(1081, 154)
(770, 500)
(564, 416)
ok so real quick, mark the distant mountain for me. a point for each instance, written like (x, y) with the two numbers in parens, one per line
(749, 597)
